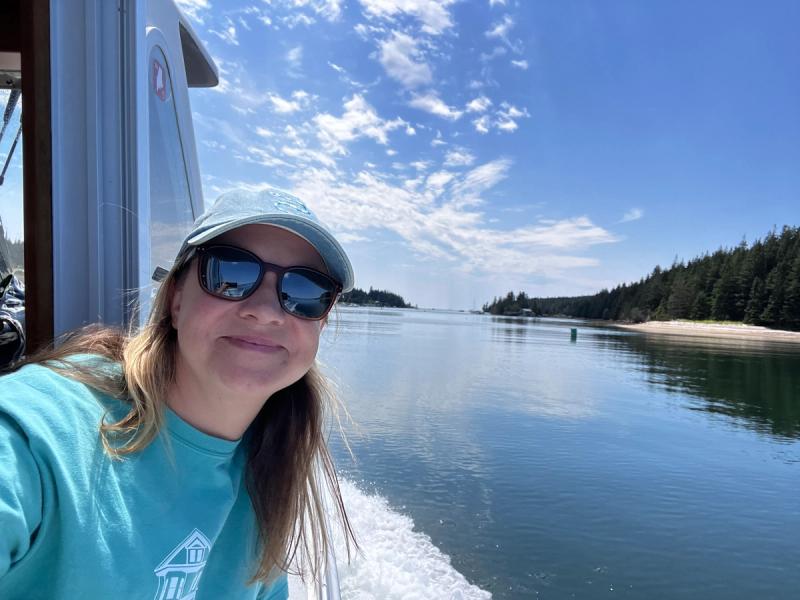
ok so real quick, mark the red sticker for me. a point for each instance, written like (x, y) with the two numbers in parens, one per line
(159, 80)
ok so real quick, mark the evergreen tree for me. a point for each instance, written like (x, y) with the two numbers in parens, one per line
(723, 298)
(681, 297)
(790, 312)
(757, 302)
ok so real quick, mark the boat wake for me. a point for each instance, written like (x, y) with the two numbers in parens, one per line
(395, 562)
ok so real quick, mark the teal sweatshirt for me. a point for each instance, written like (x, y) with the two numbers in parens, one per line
(173, 521)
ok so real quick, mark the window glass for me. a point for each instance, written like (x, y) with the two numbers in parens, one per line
(171, 214)
(11, 230)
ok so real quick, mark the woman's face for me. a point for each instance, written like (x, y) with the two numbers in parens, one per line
(249, 348)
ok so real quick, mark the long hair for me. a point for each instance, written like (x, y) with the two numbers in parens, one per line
(289, 470)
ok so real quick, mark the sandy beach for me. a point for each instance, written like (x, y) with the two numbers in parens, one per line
(731, 331)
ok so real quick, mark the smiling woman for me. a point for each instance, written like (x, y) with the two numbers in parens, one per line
(223, 377)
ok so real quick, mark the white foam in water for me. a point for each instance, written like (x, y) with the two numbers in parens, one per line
(396, 561)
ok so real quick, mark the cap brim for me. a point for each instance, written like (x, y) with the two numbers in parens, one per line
(332, 253)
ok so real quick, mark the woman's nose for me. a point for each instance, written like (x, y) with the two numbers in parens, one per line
(264, 304)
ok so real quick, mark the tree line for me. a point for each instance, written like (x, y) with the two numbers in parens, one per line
(374, 298)
(758, 284)
(11, 253)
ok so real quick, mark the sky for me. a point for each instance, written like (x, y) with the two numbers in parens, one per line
(462, 149)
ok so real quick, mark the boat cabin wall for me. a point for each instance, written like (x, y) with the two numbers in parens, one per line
(126, 182)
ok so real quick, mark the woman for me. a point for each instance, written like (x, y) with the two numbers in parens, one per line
(187, 460)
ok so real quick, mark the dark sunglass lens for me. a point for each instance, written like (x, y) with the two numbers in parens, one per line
(306, 293)
(229, 272)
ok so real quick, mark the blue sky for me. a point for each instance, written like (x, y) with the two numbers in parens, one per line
(461, 149)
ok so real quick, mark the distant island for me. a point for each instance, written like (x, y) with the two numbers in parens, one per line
(374, 298)
(757, 284)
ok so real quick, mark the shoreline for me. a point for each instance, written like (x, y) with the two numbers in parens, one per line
(713, 330)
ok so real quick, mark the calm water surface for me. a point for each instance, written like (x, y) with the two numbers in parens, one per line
(615, 465)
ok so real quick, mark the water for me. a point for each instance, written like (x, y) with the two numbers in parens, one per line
(496, 456)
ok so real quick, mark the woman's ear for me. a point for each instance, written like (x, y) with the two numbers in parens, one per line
(175, 301)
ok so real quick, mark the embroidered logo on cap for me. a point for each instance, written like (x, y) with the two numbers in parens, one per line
(289, 204)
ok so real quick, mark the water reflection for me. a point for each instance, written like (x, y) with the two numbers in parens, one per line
(757, 386)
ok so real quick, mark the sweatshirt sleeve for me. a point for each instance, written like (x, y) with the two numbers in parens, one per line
(20, 494)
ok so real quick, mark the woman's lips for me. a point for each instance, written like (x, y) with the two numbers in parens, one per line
(255, 344)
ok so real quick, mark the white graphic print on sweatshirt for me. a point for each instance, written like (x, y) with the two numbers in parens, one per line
(179, 573)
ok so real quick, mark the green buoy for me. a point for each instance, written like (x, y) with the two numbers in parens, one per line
(573, 334)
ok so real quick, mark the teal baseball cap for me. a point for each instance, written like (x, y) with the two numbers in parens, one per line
(272, 207)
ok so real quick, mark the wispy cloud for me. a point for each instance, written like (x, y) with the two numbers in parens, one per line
(434, 105)
(227, 34)
(459, 157)
(194, 9)
(501, 28)
(403, 61)
(295, 57)
(633, 214)
(437, 219)
(359, 120)
(482, 124)
(504, 119)
(479, 104)
(520, 64)
(284, 106)
(432, 14)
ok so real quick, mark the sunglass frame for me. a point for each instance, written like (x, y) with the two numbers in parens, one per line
(263, 268)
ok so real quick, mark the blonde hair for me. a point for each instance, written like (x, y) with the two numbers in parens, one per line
(288, 467)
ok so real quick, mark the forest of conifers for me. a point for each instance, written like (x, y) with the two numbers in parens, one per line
(374, 298)
(757, 284)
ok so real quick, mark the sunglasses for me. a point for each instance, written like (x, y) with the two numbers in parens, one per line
(234, 274)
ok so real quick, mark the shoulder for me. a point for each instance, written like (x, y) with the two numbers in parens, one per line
(49, 405)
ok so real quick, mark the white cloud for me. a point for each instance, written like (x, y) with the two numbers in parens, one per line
(633, 214)
(437, 218)
(520, 64)
(359, 120)
(264, 132)
(227, 34)
(329, 9)
(506, 117)
(194, 9)
(350, 238)
(295, 19)
(566, 233)
(439, 180)
(482, 124)
(459, 157)
(479, 104)
(507, 125)
(500, 30)
(496, 51)
(480, 179)
(433, 14)
(308, 155)
(410, 130)
(497, 2)
(438, 141)
(434, 105)
(294, 57)
(283, 106)
(403, 61)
